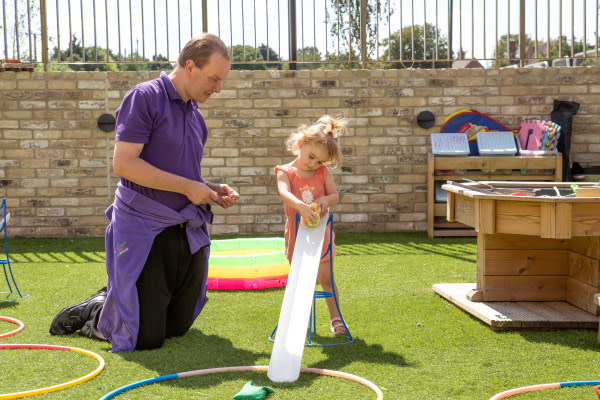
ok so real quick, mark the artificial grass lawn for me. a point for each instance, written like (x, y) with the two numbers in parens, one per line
(408, 340)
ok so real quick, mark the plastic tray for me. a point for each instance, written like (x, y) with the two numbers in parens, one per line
(496, 143)
(450, 144)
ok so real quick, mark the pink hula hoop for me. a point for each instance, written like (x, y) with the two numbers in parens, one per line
(14, 321)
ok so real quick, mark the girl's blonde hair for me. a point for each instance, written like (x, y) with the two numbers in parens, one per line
(326, 132)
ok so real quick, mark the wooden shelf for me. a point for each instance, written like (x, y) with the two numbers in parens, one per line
(509, 168)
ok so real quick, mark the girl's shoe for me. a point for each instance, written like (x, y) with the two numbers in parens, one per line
(337, 326)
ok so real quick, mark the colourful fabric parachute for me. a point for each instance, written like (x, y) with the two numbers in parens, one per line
(248, 263)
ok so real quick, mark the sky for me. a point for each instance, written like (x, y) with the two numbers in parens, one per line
(131, 24)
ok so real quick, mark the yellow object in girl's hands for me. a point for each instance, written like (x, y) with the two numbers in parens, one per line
(316, 209)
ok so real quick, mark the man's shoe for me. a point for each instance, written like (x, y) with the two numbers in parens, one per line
(72, 318)
(90, 328)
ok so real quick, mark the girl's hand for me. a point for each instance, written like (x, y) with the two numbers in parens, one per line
(323, 204)
(308, 214)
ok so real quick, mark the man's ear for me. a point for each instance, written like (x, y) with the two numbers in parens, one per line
(189, 66)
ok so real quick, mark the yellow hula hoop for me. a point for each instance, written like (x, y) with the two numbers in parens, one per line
(29, 393)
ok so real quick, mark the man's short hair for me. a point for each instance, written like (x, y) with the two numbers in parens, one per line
(199, 49)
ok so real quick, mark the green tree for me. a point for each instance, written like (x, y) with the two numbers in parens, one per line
(501, 51)
(18, 22)
(73, 55)
(546, 53)
(344, 20)
(160, 64)
(243, 57)
(309, 54)
(565, 50)
(96, 59)
(269, 54)
(419, 44)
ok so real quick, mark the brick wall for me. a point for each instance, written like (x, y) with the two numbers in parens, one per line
(55, 161)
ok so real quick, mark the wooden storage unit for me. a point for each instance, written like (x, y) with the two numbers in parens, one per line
(477, 169)
(540, 248)
(530, 268)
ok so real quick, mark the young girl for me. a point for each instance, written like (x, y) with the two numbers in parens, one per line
(308, 180)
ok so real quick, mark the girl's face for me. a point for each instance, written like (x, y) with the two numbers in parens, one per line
(312, 156)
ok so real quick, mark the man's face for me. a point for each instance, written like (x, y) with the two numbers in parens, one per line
(207, 80)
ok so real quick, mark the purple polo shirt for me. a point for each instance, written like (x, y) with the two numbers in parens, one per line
(173, 133)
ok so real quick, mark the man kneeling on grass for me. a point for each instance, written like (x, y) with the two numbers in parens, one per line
(157, 243)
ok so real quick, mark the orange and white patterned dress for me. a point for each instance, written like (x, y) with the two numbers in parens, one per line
(307, 190)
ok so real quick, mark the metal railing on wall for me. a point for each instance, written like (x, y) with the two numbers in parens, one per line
(290, 34)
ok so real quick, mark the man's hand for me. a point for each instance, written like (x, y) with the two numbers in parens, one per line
(128, 164)
(200, 193)
(226, 196)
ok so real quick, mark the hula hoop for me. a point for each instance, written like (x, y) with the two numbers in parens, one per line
(260, 368)
(65, 385)
(22, 296)
(14, 321)
(543, 386)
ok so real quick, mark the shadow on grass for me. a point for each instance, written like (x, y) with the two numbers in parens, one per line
(9, 300)
(81, 250)
(198, 351)
(404, 243)
(56, 250)
(341, 356)
(581, 339)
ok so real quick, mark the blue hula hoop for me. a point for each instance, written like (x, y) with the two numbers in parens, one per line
(543, 386)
